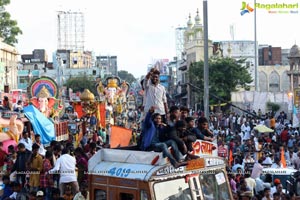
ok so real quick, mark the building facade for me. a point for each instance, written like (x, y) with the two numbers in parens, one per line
(63, 67)
(108, 65)
(240, 49)
(193, 52)
(268, 55)
(8, 66)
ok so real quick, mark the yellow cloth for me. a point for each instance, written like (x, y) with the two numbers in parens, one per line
(37, 163)
(13, 136)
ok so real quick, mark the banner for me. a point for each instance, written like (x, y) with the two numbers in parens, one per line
(41, 124)
(120, 136)
(101, 115)
(78, 108)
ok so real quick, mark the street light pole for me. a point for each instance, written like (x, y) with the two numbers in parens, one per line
(206, 69)
(255, 51)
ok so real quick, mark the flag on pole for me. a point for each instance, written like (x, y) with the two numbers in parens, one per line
(230, 157)
(283, 161)
(120, 137)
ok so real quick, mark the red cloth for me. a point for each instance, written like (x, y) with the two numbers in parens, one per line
(2, 157)
(231, 145)
(46, 180)
(95, 137)
(284, 135)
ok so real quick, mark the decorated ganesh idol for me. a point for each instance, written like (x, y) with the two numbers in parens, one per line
(113, 92)
(44, 94)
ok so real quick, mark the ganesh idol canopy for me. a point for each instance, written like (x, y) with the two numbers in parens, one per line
(44, 94)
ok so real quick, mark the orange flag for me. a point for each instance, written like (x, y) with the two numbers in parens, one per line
(283, 161)
(230, 157)
(120, 136)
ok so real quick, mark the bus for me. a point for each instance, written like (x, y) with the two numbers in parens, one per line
(120, 174)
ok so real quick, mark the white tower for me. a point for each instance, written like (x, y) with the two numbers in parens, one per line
(179, 37)
(71, 30)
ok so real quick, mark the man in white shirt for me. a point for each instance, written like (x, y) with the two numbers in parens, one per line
(83, 194)
(26, 140)
(257, 169)
(251, 183)
(42, 150)
(246, 129)
(155, 94)
(277, 163)
(18, 106)
(65, 165)
(267, 194)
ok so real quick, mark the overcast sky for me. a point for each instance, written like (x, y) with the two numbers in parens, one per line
(138, 31)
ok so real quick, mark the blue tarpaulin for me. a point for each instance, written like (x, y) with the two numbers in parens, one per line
(40, 123)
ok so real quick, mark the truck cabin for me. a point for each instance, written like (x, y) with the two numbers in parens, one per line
(120, 174)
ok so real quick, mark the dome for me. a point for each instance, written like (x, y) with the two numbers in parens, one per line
(294, 52)
(197, 18)
(87, 96)
(190, 23)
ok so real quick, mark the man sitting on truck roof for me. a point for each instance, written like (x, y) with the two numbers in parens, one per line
(152, 138)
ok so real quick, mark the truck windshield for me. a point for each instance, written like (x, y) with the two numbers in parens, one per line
(214, 186)
(172, 189)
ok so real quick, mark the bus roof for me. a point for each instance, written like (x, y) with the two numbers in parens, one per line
(141, 165)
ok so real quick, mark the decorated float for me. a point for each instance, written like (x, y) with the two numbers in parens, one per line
(110, 108)
(11, 128)
(114, 93)
(45, 109)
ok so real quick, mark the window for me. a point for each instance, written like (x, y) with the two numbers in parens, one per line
(23, 79)
(214, 186)
(144, 195)
(100, 194)
(172, 189)
(126, 196)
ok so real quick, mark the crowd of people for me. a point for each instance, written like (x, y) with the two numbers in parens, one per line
(59, 171)
(32, 171)
(246, 150)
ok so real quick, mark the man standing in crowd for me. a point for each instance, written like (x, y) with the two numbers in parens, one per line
(155, 94)
(65, 165)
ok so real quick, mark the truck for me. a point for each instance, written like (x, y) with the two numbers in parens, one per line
(119, 174)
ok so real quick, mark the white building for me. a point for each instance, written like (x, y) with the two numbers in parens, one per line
(241, 49)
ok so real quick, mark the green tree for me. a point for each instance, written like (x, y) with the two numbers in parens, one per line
(128, 77)
(78, 84)
(225, 74)
(274, 107)
(9, 29)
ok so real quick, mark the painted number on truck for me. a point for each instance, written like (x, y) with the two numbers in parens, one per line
(121, 172)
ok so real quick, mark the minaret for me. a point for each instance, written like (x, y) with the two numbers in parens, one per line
(190, 29)
(198, 26)
(294, 61)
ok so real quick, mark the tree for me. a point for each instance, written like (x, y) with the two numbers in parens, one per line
(78, 84)
(274, 107)
(8, 27)
(128, 77)
(225, 74)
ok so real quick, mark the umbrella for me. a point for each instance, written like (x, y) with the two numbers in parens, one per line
(263, 129)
